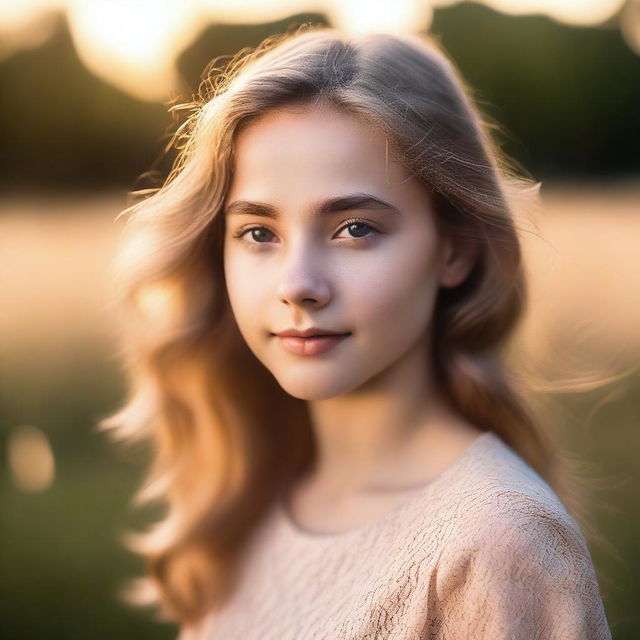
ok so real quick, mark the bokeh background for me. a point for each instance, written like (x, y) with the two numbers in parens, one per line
(85, 87)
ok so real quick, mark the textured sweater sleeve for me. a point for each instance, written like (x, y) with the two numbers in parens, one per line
(527, 578)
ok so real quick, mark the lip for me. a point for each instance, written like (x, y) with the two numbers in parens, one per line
(310, 345)
(309, 333)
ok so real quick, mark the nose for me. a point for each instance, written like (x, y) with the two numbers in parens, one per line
(300, 283)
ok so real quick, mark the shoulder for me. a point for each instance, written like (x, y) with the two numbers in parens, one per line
(524, 574)
(489, 491)
(524, 536)
(497, 490)
(513, 538)
(506, 515)
(515, 563)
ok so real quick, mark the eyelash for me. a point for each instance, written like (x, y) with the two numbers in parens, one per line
(243, 230)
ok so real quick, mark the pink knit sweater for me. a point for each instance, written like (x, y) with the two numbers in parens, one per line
(485, 551)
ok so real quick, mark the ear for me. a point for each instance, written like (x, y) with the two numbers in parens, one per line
(459, 257)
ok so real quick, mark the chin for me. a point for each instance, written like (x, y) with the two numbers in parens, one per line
(311, 387)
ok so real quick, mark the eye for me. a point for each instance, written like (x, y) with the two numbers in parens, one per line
(360, 229)
(256, 233)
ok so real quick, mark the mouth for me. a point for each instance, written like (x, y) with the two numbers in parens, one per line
(311, 335)
(311, 345)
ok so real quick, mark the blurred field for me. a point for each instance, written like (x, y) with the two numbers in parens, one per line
(61, 561)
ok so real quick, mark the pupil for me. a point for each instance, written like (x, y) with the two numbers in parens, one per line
(363, 229)
(256, 233)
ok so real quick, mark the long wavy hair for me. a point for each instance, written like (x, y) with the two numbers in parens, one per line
(225, 439)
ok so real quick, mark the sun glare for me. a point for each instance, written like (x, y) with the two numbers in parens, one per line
(578, 12)
(133, 44)
(30, 459)
(362, 16)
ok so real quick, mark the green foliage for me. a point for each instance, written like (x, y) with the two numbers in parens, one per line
(567, 97)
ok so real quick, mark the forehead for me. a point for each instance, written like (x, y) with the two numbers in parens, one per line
(298, 124)
(314, 150)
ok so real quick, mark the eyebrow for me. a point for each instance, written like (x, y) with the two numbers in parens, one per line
(328, 206)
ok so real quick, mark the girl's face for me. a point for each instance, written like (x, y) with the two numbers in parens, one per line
(325, 229)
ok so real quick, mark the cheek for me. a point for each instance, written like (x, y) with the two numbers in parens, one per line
(399, 292)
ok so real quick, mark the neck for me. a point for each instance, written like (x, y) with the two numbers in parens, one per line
(396, 430)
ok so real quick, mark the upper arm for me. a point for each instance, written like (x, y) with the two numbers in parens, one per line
(529, 577)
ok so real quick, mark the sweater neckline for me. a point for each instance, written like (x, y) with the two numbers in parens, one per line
(294, 530)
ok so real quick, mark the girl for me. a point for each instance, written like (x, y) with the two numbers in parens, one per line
(318, 296)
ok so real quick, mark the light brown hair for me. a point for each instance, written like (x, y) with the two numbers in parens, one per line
(225, 438)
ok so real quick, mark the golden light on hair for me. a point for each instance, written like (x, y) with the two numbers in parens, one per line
(160, 303)
(31, 459)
